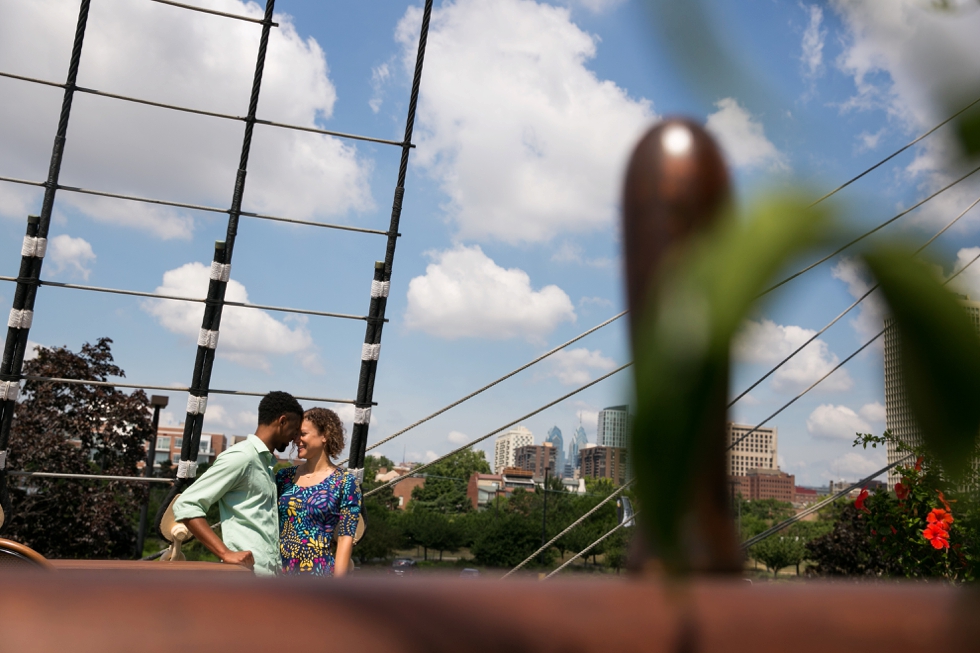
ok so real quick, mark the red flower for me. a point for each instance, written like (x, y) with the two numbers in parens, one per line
(894, 532)
(940, 518)
(902, 490)
(937, 536)
(918, 463)
(859, 502)
(942, 498)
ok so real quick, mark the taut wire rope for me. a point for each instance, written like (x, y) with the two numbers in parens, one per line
(868, 233)
(193, 207)
(534, 412)
(493, 383)
(593, 545)
(575, 523)
(836, 367)
(178, 298)
(817, 506)
(202, 112)
(845, 312)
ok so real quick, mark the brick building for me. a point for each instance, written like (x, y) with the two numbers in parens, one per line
(170, 439)
(771, 484)
(403, 488)
(603, 462)
(535, 458)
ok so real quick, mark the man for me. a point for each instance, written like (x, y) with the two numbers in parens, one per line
(242, 483)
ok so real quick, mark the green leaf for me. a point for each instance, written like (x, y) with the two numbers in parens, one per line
(681, 350)
(968, 131)
(940, 355)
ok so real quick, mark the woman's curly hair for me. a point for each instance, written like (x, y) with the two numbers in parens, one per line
(328, 424)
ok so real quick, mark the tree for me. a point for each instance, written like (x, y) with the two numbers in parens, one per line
(507, 541)
(81, 429)
(779, 551)
(383, 535)
(446, 481)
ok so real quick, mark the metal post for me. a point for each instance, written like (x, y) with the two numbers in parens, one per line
(32, 255)
(382, 275)
(158, 402)
(207, 339)
(544, 513)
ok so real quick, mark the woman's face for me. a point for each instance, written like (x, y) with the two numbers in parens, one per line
(310, 442)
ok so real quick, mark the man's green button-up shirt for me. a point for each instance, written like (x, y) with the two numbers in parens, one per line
(242, 483)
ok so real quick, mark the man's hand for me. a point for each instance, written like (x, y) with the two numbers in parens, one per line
(199, 527)
(243, 558)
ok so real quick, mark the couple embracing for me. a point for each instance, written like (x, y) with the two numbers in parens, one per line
(299, 520)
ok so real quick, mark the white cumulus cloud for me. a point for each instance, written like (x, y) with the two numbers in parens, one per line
(457, 438)
(813, 42)
(156, 52)
(74, 255)
(874, 413)
(578, 366)
(525, 140)
(464, 293)
(831, 422)
(968, 280)
(871, 311)
(768, 343)
(247, 336)
(853, 465)
(743, 138)
(916, 64)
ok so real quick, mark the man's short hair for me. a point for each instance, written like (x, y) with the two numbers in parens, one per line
(278, 403)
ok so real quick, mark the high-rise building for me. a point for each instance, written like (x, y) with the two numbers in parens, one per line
(555, 440)
(757, 451)
(898, 416)
(576, 442)
(506, 444)
(614, 427)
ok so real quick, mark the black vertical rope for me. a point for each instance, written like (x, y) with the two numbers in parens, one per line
(15, 345)
(372, 336)
(207, 342)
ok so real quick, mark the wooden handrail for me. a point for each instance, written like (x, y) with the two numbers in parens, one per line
(89, 612)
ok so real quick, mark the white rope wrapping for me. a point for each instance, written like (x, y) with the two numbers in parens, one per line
(187, 469)
(20, 319)
(220, 271)
(196, 405)
(370, 352)
(3, 460)
(34, 246)
(207, 339)
(9, 390)
(380, 288)
(362, 415)
(358, 474)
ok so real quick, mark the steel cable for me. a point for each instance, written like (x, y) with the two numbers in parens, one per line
(416, 470)
(493, 383)
(570, 527)
(836, 367)
(593, 545)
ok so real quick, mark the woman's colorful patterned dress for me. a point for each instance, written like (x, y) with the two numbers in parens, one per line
(311, 517)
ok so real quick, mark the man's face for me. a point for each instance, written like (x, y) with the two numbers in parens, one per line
(289, 426)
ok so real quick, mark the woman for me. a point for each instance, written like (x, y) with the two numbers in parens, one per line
(319, 503)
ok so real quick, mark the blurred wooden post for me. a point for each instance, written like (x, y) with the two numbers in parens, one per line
(676, 186)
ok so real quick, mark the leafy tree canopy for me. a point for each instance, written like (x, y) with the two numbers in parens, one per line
(446, 481)
(72, 428)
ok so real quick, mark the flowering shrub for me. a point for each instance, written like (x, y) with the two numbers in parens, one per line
(917, 529)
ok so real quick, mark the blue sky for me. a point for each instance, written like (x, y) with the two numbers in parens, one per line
(511, 243)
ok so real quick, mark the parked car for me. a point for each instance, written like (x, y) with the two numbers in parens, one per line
(469, 573)
(403, 567)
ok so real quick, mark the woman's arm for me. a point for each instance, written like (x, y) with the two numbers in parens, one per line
(341, 565)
